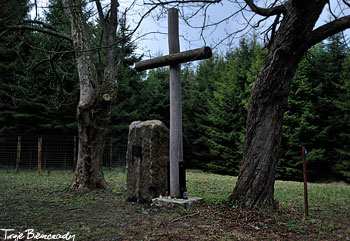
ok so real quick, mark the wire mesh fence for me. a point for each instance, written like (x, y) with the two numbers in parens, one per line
(54, 152)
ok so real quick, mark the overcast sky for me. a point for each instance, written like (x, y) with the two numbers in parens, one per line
(157, 44)
(191, 37)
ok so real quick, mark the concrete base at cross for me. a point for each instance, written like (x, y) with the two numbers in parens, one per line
(175, 202)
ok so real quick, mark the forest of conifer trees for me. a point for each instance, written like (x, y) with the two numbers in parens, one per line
(39, 94)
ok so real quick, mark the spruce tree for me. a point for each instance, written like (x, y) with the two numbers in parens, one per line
(198, 93)
(342, 165)
(15, 81)
(228, 108)
(312, 118)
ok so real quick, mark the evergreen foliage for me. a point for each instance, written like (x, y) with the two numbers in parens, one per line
(198, 87)
(154, 96)
(342, 102)
(313, 118)
(130, 85)
(39, 93)
(228, 107)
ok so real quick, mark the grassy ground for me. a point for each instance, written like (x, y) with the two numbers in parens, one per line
(46, 205)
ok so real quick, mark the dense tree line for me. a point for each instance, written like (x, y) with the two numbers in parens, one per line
(215, 100)
(39, 94)
(38, 78)
(317, 116)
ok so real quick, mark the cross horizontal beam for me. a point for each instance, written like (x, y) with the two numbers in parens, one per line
(176, 58)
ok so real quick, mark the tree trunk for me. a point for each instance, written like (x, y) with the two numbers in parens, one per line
(92, 123)
(255, 185)
(94, 108)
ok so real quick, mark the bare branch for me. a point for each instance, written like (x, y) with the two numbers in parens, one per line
(36, 9)
(327, 30)
(182, 2)
(113, 17)
(110, 35)
(273, 29)
(279, 9)
(140, 21)
(206, 24)
(346, 3)
(235, 33)
(35, 28)
(330, 11)
(101, 15)
(45, 25)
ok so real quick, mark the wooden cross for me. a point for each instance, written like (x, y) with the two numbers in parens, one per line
(174, 59)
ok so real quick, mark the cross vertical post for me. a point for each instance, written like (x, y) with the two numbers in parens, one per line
(175, 145)
(174, 59)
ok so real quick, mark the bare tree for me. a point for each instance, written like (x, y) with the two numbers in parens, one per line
(96, 99)
(94, 108)
(289, 34)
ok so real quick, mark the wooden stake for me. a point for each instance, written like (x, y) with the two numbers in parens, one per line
(74, 152)
(110, 154)
(19, 143)
(65, 158)
(176, 153)
(306, 203)
(40, 144)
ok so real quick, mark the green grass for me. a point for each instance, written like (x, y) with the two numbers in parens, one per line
(212, 187)
(47, 204)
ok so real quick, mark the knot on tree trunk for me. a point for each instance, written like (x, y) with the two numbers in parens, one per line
(107, 97)
(109, 87)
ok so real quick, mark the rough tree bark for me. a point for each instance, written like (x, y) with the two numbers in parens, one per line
(94, 108)
(295, 34)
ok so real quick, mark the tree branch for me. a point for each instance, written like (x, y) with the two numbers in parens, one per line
(110, 35)
(101, 15)
(140, 21)
(45, 25)
(182, 2)
(347, 4)
(273, 29)
(35, 28)
(267, 12)
(327, 30)
(113, 17)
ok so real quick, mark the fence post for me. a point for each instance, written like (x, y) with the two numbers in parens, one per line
(40, 143)
(19, 143)
(110, 154)
(65, 156)
(44, 154)
(306, 203)
(74, 153)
